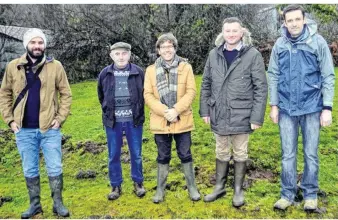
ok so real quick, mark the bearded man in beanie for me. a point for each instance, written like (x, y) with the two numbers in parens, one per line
(169, 90)
(120, 92)
(29, 105)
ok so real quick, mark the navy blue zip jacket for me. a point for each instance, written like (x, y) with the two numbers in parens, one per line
(106, 94)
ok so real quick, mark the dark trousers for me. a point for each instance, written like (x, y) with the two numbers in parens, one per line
(183, 143)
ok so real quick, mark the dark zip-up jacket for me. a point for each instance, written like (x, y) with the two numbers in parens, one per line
(106, 94)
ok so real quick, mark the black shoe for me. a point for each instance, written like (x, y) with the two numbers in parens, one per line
(139, 189)
(115, 193)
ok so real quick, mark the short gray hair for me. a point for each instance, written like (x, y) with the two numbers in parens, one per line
(166, 37)
(232, 20)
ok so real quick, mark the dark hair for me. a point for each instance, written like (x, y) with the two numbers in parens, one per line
(166, 37)
(290, 8)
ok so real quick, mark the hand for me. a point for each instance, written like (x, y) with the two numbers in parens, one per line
(170, 114)
(175, 120)
(14, 126)
(254, 127)
(55, 124)
(325, 118)
(206, 119)
(274, 114)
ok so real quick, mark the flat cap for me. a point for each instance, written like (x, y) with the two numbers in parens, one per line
(121, 45)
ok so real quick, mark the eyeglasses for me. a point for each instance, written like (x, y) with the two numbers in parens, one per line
(167, 47)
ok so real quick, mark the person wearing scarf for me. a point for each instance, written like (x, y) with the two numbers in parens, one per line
(169, 90)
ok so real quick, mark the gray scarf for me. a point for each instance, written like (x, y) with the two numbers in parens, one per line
(167, 89)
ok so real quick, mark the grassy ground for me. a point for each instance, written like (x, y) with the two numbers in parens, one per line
(87, 198)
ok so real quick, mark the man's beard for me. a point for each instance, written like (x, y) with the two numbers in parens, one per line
(31, 54)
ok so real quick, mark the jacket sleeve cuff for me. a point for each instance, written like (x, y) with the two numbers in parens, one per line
(9, 123)
(327, 108)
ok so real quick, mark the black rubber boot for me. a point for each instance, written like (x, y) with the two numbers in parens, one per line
(189, 174)
(240, 170)
(162, 174)
(33, 186)
(222, 170)
(56, 187)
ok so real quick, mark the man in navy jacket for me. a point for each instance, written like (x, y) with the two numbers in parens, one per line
(120, 92)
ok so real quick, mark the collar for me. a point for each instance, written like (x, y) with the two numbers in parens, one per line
(238, 47)
(299, 37)
(131, 67)
(23, 61)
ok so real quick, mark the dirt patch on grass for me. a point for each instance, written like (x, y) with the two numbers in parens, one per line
(253, 173)
(5, 199)
(89, 174)
(7, 134)
(85, 147)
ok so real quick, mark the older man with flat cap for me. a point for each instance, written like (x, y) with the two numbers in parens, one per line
(120, 92)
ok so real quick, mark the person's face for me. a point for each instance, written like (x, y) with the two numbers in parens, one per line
(232, 33)
(36, 47)
(294, 22)
(120, 57)
(167, 51)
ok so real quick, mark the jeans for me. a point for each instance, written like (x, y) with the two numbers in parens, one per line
(29, 141)
(183, 143)
(310, 128)
(114, 139)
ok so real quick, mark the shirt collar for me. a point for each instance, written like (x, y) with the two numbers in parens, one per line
(238, 47)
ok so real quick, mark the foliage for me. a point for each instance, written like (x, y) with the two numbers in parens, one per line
(82, 34)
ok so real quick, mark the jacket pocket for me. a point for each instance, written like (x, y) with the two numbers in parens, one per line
(157, 123)
(240, 112)
(212, 110)
(186, 121)
(311, 94)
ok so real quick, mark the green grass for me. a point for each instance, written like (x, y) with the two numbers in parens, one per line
(87, 198)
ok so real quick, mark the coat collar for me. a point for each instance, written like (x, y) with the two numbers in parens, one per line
(23, 61)
(132, 68)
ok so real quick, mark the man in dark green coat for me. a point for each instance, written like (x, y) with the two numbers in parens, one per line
(233, 100)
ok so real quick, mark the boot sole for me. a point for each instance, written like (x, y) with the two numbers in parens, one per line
(217, 197)
(310, 210)
(157, 202)
(195, 199)
(238, 205)
(35, 213)
(279, 209)
(140, 195)
(56, 213)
